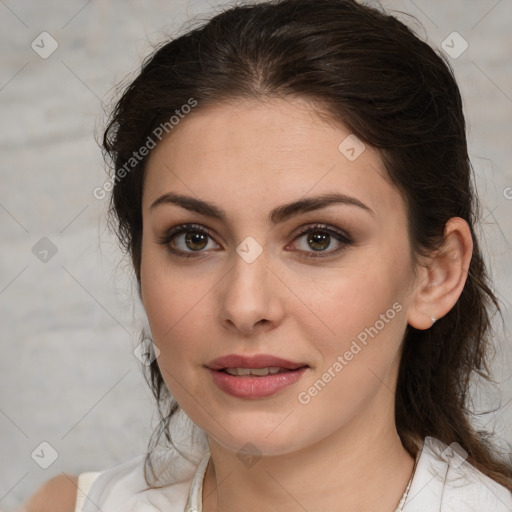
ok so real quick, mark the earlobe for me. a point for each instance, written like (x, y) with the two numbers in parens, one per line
(443, 277)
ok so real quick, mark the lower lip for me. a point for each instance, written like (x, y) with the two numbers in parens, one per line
(255, 387)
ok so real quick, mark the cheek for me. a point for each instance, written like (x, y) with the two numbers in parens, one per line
(362, 324)
(176, 304)
(161, 286)
(363, 303)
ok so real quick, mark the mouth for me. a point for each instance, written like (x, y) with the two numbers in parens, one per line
(255, 383)
(258, 372)
(257, 364)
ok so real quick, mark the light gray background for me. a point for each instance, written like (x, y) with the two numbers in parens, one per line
(69, 326)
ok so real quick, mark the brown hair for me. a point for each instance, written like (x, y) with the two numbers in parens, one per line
(367, 69)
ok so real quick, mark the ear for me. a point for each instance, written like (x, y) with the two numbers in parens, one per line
(442, 277)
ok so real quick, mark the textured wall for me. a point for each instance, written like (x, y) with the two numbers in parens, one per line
(68, 374)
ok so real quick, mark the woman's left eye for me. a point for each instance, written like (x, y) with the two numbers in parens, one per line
(319, 238)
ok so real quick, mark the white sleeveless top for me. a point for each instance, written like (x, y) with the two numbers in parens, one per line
(442, 481)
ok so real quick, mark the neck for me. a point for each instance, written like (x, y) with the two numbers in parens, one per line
(362, 469)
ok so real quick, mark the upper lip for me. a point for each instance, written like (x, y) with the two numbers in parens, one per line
(256, 361)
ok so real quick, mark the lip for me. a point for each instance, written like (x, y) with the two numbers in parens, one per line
(255, 387)
(256, 361)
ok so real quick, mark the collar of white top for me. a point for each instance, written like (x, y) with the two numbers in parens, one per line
(195, 494)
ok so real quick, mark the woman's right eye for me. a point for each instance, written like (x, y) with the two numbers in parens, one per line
(186, 240)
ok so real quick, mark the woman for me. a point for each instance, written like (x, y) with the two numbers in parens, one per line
(292, 183)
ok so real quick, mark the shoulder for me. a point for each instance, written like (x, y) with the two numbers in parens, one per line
(124, 487)
(56, 495)
(467, 486)
(170, 472)
(444, 480)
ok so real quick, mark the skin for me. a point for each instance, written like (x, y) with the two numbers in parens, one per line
(249, 157)
(57, 494)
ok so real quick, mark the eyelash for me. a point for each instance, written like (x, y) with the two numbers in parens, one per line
(323, 228)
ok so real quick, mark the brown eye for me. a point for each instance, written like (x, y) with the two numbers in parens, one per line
(318, 241)
(186, 239)
(319, 238)
(196, 240)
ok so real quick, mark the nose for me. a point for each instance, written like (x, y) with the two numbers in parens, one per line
(250, 297)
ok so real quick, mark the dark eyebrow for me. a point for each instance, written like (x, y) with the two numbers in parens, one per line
(277, 215)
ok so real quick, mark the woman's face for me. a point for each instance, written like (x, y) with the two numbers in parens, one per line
(250, 281)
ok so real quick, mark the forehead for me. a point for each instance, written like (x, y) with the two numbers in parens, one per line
(265, 150)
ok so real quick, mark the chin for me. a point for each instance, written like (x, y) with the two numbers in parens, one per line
(256, 442)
